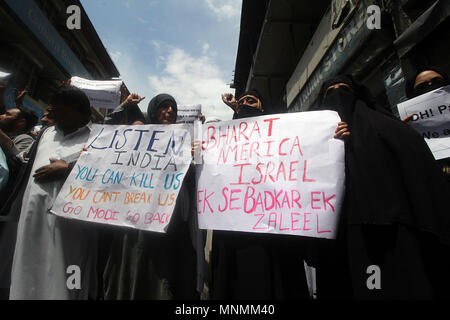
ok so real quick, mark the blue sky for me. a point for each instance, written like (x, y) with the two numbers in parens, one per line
(186, 48)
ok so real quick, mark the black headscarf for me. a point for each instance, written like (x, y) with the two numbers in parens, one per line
(346, 96)
(247, 111)
(391, 175)
(156, 103)
(409, 88)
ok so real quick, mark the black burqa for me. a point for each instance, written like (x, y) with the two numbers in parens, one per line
(145, 265)
(257, 266)
(412, 92)
(395, 214)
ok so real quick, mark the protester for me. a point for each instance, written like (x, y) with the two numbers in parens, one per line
(150, 265)
(252, 265)
(394, 215)
(428, 79)
(15, 142)
(231, 101)
(16, 99)
(47, 119)
(47, 245)
(127, 113)
(14, 125)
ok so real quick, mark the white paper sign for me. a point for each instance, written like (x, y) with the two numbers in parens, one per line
(431, 118)
(130, 176)
(279, 174)
(101, 94)
(4, 74)
(188, 114)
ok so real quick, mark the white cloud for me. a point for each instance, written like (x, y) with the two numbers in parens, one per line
(225, 9)
(142, 20)
(132, 75)
(205, 48)
(156, 44)
(115, 56)
(193, 80)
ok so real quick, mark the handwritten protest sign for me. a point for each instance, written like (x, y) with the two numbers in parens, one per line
(101, 94)
(188, 114)
(273, 174)
(431, 118)
(130, 176)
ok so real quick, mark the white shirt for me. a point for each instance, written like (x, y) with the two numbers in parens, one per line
(48, 245)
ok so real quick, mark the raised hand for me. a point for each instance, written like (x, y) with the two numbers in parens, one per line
(133, 98)
(229, 100)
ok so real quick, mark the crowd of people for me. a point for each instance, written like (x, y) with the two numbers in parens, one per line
(395, 213)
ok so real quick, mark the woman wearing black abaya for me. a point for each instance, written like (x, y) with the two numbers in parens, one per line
(251, 265)
(427, 79)
(150, 265)
(395, 214)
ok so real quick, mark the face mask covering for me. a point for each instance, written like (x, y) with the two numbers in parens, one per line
(256, 103)
(247, 112)
(342, 96)
(341, 100)
(428, 86)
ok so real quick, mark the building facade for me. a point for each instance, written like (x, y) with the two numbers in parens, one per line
(300, 44)
(40, 51)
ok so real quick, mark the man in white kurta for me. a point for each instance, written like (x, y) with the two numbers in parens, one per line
(50, 250)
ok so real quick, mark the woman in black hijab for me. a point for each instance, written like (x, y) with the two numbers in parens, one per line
(251, 265)
(425, 80)
(150, 265)
(395, 214)
(428, 79)
(248, 105)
